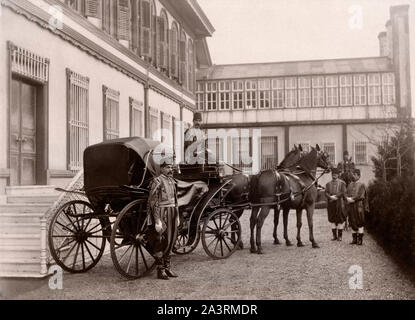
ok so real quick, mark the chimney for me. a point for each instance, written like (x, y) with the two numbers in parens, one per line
(400, 59)
(389, 38)
(383, 44)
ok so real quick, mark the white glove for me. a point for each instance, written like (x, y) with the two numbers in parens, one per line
(350, 200)
(159, 226)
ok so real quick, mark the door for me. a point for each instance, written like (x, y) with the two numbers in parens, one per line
(23, 133)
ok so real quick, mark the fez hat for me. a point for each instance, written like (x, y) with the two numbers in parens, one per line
(197, 116)
(166, 160)
(345, 153)
(335, 171)
(357, 171)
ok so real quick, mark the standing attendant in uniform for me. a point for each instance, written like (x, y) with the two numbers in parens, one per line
(346, 168)
(194, 142)
(163, 213)
(357, 206)
(335, 191)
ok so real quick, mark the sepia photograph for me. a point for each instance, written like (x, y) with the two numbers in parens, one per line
(225, 151)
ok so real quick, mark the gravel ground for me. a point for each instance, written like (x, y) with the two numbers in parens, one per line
(281, 273)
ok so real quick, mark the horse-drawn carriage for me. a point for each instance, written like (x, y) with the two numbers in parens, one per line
(116, 178)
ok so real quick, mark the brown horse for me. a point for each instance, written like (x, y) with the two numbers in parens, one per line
(294, 191)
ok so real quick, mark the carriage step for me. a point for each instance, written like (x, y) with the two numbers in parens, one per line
(47, 200)
(25, 228)
(24, 208)
(14, 267)
(20, 217)
(31, 191)
(20, 252)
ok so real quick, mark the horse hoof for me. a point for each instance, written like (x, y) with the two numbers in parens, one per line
(259, 251)
(240, 246)
(277, 241)
(288, 243)
(315, 245)
(253, 250)
(300, 244)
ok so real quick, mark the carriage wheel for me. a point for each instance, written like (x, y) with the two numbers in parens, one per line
(182, 239)
(76, 238)
(221, 233)
(129, 243)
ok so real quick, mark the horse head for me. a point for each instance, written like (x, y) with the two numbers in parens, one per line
(291, 159)
(323, 161)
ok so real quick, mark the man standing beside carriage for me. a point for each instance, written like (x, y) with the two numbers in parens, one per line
(335, 191)
(162, 207)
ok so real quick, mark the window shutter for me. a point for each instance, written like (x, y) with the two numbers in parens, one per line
(93, 8)
(173, 53)
(134, 25)
(182, 75)
(145, 36)
(123, 15)
(160, 43)
(155, 36)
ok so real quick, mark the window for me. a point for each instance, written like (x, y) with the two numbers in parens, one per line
(77, 5)
(183, 60)
(111, 113)
(224, 95)
(191, 67)
(174, 52)
(237, 94)
(291, 92)
(264, 94)
(251, 93)
(136, 118)
(166, 123)
(154, 123)
(154, 34)
(211, 96)
(242, 153)
(78, 133)
(330, 148)
(374, 89)
(346, 93)
(360, 152)
(269, 152)
(332, 93)
(145, 28)
(162, 25)
(200, 96)
(318, 91)
(388, 88)
(278, 93)
(304, 92)
(359, 89)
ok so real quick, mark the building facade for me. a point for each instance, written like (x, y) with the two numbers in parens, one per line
(341, 104)
(80, 72)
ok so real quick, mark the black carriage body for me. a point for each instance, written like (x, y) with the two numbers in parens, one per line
(115, 163)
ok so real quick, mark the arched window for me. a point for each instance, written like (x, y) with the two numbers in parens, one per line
(154, 34)
(174, 52)
(162, 31)
(191, 65)
(183, 59)
(145, 28)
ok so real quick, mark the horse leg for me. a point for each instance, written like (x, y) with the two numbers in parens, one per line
(240, 245)
(253, 222)
(276, 220)
(260, 222)
(285, 213)
(299, 224)
(310, 213)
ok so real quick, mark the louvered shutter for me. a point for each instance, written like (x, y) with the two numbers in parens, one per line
(155, 40)
(106, 19)
(182, 75)
(123, 19)
(173, 53)
(145, 36)
(93, 8)
(160, 42)
(134, 25)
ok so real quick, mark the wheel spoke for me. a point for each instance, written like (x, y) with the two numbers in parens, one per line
(92, 244)
(226, 220)
(136, 260)
(226, 244)
(65, 227)
(221, 247)
(144, 259)
(65, 244)
(69, 218)
(94, 227)
(70, 251)
(83, 255)
(214, 221)
(216, 245)
(129, 260)
(89, 252)
(211, 242)
(76, 213)
(76, 255)
(124, 254)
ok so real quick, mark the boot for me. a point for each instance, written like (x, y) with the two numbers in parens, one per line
(334, 234)
(360, 239)
(161, 273)
(167, 268)
(354, 235)
(339, 235)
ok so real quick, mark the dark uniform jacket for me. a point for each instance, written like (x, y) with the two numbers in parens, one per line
(335, 208)
(356, 210)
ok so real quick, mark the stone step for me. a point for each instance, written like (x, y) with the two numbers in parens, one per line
(19, 267)
(31, 190)
(42, 199)
(24, 208)
(20, 252)
(20, 217)
(20, 228)
(20, 239)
